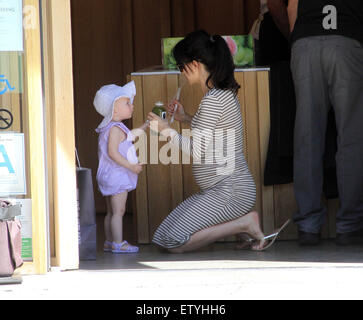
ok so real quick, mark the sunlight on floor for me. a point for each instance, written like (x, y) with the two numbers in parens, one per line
(233, 264)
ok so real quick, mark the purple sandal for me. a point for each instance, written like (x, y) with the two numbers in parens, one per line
(124, 247)
(107, 246)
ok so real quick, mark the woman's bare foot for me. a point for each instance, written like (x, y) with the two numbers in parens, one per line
(244, 241)
(251, 227)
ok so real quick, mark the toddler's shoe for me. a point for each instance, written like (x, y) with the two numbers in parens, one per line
(124, 247)
(107, 246)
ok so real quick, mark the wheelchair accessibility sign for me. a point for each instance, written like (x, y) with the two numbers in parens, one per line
(12, 164)
(5, 85)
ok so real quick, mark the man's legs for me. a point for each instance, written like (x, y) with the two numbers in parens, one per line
(310, 126)
(345, 73)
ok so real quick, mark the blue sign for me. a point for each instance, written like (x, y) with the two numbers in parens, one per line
(6, 163)
(12, 164)
(5, 85)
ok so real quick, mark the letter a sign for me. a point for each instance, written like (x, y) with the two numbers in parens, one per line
(12, 164)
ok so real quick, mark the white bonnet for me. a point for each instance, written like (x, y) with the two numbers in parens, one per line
(106, 97)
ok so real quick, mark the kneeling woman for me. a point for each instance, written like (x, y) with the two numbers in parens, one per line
(227, 190)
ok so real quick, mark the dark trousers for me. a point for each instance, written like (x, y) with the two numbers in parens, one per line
(328, 71)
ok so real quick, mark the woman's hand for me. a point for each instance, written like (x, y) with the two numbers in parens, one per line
(161, 123)
(179, 114)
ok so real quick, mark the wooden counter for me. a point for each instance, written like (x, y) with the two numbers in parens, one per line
(162, 187)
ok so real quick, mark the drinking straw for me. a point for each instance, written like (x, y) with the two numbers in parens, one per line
(177, 96)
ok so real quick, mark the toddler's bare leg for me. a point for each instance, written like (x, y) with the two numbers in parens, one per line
(107, 221)
(118, 204)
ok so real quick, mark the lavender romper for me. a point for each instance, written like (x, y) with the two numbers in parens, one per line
(112, 178)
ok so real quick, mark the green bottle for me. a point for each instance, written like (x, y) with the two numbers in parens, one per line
(159, 110)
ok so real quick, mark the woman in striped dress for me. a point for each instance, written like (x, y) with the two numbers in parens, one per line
(227, 191)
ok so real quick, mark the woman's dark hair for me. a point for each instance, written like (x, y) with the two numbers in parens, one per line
(214, 53)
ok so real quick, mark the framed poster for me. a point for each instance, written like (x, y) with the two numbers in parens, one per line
(242, 48)
(11, 25)
(12, 164)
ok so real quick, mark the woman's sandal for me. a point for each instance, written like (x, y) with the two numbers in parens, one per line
(124, 247)
(247, 241)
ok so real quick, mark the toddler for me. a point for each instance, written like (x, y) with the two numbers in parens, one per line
(118, 164)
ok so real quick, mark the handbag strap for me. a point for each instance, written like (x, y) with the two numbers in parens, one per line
(79, 163)
(10, 245)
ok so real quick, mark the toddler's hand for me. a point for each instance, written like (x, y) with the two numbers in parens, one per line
(136, 168)
(145, 125)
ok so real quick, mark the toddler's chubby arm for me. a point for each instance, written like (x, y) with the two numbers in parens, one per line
(115, 138)
(144, 126)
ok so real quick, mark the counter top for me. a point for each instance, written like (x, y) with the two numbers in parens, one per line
(161, 70)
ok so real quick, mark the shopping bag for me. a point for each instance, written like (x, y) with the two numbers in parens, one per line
(87, 215)
(88, 243)
(87, 208)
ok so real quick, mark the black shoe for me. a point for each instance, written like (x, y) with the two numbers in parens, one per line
(308, 238)
(349, 238)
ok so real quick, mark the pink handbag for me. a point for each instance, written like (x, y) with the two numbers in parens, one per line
(10, 247)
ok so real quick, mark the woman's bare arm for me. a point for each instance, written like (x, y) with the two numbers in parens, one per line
(278, 11)
(292, 12)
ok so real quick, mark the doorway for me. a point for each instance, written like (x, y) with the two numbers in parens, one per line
(112, 39)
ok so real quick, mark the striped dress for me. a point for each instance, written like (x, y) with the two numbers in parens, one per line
(227, 189)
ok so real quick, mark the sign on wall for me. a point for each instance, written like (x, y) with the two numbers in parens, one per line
(11, 25)
(26, 228)
(6, 119)
(12, 164)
